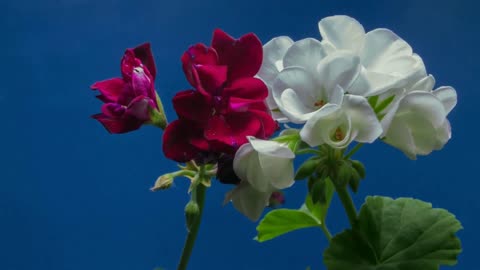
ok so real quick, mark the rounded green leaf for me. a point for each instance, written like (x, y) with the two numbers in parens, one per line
(401, 234)
(281, 221)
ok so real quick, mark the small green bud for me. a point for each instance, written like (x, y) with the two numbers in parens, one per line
(354, 182)
(344, 173)
(359, 167)
(307, 168)
(163, 182)
(192, 212)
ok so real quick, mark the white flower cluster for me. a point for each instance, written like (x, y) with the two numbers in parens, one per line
(350, 86)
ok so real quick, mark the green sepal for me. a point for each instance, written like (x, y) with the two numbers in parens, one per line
(307, 168)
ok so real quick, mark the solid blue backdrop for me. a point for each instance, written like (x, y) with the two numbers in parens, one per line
(74, 197)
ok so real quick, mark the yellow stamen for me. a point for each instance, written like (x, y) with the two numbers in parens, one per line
(319, 103)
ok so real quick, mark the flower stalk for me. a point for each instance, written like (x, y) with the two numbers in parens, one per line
(198, 195)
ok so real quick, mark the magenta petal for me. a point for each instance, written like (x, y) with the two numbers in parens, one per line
(247, 88)
(144, 53)
(128, 63)
(211, 77)
(112, 90)
(117, 126)
(269, 126)
(176, 141)
(193, 106)
(197, 54)
(232, 129)
(138, 108)
(243, 56)
(113, 110)
(142, 83)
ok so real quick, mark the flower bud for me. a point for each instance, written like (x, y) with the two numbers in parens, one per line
(192, 212)
(163, 182)
(307, 168)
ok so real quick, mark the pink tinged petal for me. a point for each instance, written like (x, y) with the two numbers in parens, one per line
(273, 53)
(144, 54)
(117, 125)
(248, 201)
(363, 118)
(177, 141)
(197, 54)
(138, 108)
(339, 68)
(242, 56)
(193, 106)
(112, 90)
(342, 32)
(448, 96)
(141, 83)
(306, 53)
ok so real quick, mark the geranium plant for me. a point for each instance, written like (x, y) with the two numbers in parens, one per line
(253, 109)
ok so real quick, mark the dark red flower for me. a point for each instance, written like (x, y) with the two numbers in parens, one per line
(227, 103)
(128, 100)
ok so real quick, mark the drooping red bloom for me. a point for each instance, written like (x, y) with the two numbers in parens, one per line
(128, 99)
(227, 103)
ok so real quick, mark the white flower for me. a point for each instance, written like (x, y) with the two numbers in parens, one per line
(387, 60)
(310, 89)
(416, 122)
(263, 167)
(273, 53)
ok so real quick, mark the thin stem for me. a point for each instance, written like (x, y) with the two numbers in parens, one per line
(347, 203)
(326, 231)
(354, 150)
(308, 151)
(192, 234)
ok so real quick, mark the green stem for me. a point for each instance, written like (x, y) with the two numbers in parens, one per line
(347, 203)
(354, 150)
(326, 231)
(192, 234)
(307, 151)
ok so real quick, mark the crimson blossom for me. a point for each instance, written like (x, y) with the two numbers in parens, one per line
(226, 104)
(129, 99)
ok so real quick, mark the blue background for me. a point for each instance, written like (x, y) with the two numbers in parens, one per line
(74, 197)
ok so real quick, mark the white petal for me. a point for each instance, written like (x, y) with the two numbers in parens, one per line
(370, 83)
(448, 96)
(336, 96)
(400, 136)
(390, 111)
(313, 132)
(343, 32)
(248, 201)
(273, 53)
(422, 105)
(295, 92)
(386, 52)
(339, 68)
(305, 53)
(279, 170)
(271, 148)
(363, 118)
(424, 84)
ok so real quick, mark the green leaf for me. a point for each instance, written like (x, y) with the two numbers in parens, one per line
(401, 234)
(319, 210)
(281, 221)
(383, 104)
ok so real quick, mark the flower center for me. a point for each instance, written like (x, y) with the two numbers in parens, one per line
(319, 103)
(338, 135)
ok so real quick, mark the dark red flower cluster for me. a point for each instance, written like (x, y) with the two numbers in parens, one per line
(128, 99)
(227, 103)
